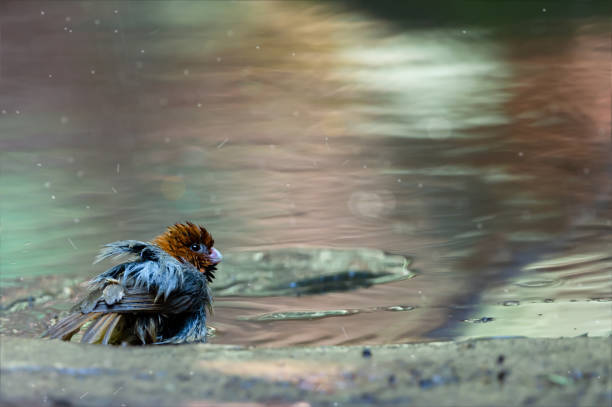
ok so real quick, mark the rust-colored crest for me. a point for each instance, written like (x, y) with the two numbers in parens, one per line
(181, 241)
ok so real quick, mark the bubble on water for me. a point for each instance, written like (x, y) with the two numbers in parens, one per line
(116, 11)
(438, 128)
(257, 47)
(64, 119)
(67, 19)
(199, 105)
(39, 164)
(97, 22)
(52, 196)
(511, 303)
(76, 220)
(93, 71)
(186, 72)
(80, 173)
(42, 12)
(17, 111)
(218, 59)
(114, 190)
(544, 10)
(47, 184)
(3, 111)
(115, 31)
(371, 204)
(50, 75)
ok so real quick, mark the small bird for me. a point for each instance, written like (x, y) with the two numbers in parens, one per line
(159, 296)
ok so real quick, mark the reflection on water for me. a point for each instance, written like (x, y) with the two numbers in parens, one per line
(482, 156)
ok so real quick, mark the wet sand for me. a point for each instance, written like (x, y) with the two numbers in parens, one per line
(489, 372)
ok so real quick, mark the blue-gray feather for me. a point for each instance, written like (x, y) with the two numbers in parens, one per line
(151, 267)
(162, 275)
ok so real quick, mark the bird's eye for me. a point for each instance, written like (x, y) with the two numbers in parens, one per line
(195, 247)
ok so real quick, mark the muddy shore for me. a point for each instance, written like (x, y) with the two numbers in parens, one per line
(486, 372)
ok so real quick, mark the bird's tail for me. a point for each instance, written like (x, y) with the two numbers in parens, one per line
(100, 330)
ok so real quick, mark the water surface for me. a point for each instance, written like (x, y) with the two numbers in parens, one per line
(479, 151)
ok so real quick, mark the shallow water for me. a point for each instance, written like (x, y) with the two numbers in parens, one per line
(480, 151)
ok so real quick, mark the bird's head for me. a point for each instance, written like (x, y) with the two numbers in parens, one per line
(191, 243)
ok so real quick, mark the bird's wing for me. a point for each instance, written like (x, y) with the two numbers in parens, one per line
(106, 311)
(134, 300)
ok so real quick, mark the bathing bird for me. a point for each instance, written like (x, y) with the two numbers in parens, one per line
(159, 296)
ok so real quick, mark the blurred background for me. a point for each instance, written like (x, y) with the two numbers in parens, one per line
(472, 138)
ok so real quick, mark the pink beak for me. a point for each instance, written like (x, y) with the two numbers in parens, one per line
(215, 256)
